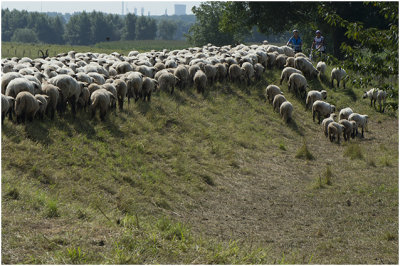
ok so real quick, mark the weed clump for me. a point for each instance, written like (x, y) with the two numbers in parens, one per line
(51, 209)
(304, 153)
(13, 194)
(354, 152)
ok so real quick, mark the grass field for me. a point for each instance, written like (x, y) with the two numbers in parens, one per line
(199, 179)
(10, 49)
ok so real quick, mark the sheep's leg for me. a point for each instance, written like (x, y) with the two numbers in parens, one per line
(102, 114)
(10, 115)
(362, 132)
(371, 102)
(338, 82)
(73, 106)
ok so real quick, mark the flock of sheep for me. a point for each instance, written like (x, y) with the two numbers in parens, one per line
(32, 88)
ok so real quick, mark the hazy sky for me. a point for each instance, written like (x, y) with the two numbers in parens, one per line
(115, 7)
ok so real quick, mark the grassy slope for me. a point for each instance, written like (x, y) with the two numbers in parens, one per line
(193, 179)
(11, 49)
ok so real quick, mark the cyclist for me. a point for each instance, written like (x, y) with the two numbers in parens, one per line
(319, 42)
(295, 42)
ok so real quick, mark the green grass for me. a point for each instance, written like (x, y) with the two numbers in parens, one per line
(193, 179)
(304, 153)
(11, 49)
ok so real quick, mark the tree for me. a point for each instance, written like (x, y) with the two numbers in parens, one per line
(206, 29)
(100, 29)
(146, 28)
(167, 29)
(129, 31)
(25, 36)
(78, 30)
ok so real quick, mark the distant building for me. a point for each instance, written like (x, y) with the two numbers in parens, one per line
(166, 12)
(135, 11)
(142, 11)
(180, 10)
(148, 13)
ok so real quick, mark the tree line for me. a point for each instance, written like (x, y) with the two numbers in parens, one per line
(87, 28)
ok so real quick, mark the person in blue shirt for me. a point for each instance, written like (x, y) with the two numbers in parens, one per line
(295, 42)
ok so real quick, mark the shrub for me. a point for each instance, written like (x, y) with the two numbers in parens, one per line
(354, 152)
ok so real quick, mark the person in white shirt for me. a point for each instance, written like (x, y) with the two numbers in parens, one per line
(319, 42)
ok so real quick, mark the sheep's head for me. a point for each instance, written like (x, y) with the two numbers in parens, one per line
(365, 95)
(324, 94)
(333, 109)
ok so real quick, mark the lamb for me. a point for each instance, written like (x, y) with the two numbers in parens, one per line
(7, 104)
(149, 85)
(248, 71)
(334, 131)
(298, 83)
(344, 113)
(42, 108)
(321, 67)
(6, 78)
(361, 121)
(200, 81)
(327, 121)
(271, 91)
(54, 93)
(305, 66)
(313, 96)
(258, 71)
(167, 81)
(121, 87)
(183, 74)
(236, 74)
(287, 71)
(26, 106)
(349, 128)
(338, 74)
(101, 99)
(286, 111)
(322, 109)
(278, 100)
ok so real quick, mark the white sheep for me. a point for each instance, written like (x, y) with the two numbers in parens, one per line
(200, 81)
(42, 108)
(167, 81)
(236, 74)
(222, 71)
(121, 87)
(19, 84)
(134, 82)
(70, 90)
(149, 85)
(334, 131)
(286, 111)
(289, 62)
(361, 121)
(183, 74)
(271, 91)
(313, 96)
(6, 78)
(321, 67)
(258, 71)
(305, 66)
(278, 100)
(325, 123)
(7, 104)
(286, 72)
(375, 94)
(298, 84)
(101, 99)
(248, 70)
(97, 78)
(349, 128)
(322, 109)
(338, 74)
(26, 106)
(345, 112)
(54, 93)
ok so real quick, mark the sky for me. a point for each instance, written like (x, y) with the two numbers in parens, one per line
(115, 7)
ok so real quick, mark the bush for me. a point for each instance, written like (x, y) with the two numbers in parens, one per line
(25, 36)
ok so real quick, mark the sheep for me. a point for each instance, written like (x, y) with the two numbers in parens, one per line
(286, 111)
(17, 85)
(93, 87)
(298, 83)
(70, 90)
(325, 123)
(345, 112)
(338, 74)
(322, 109)
(54, 93)
(6, 78)
(334, 131)
(376, 94)
(159, 66)
(349, 128)
(248, 71)
(271, 58)
(361, 121)
(321, 67)
(146, 71)
(286, 72)
(134, 83)
(313, 96)
(121, 87)
(149, 85)
(200, 81)
(258, 71)
(101, 99)
(289, 62)
(222, 71)
(97, 78)
(42, 109)
(288, 51)
(123, 67)
(84, 77)
(280, 61)
(306, 67)
(111, 88)
(84, 98)
(236, 74)
(271, 91)
(26, 106)
(211, 73)
(167, 81)
(278, 100)
(183, 74)
(7, 106)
